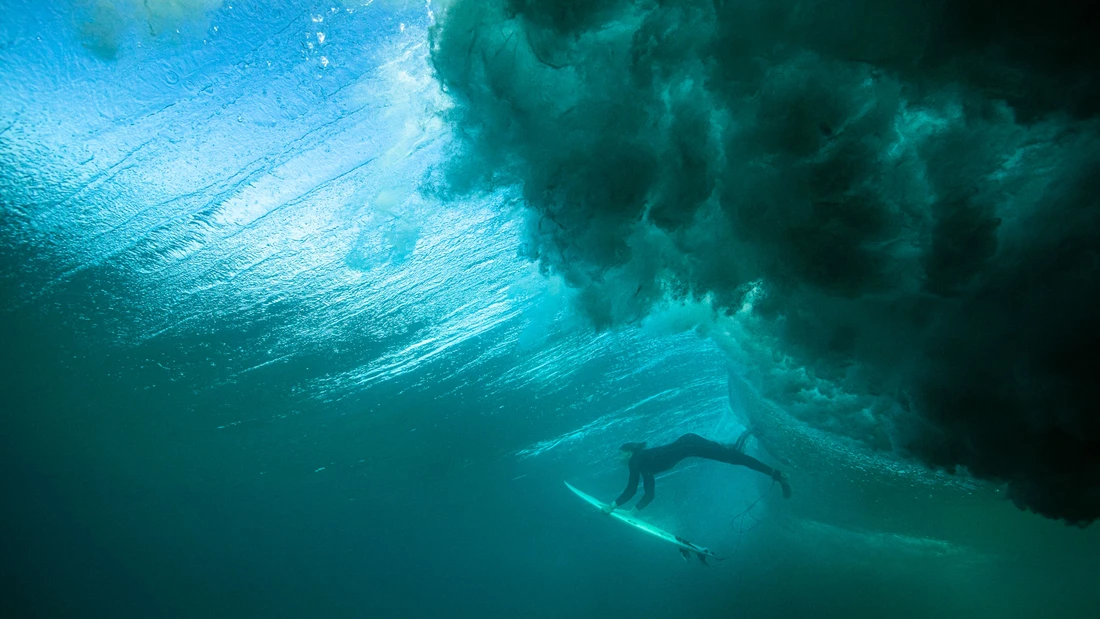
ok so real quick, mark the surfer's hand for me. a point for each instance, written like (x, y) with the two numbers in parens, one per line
(610, 507)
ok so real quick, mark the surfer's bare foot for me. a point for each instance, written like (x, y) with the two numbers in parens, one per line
(784, 483)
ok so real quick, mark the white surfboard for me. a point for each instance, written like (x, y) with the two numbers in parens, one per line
(686, 548)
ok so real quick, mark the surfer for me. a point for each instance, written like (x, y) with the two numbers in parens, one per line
(646, 463)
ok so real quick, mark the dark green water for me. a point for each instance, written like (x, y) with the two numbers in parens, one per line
(308, 309)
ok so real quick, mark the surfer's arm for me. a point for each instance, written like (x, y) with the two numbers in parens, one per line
(631, 488)
(648, 496)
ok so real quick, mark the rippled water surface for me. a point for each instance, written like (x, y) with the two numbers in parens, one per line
(257, 362)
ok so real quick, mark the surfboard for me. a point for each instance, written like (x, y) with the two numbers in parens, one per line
(686, 548)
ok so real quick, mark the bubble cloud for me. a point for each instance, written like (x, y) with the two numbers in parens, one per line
(906, 192)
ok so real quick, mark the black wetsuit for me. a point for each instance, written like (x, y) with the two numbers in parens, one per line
(648, 462)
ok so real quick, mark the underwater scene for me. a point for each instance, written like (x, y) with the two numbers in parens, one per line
(549, 308)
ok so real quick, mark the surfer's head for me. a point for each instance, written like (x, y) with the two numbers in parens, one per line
(627, 451)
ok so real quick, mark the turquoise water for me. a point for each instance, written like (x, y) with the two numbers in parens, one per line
(310, 308)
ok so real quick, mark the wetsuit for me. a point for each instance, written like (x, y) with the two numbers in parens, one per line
(646, 463)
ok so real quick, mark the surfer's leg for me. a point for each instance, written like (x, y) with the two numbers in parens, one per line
(775, 474)
(729, 455)
(742, 441)
(732, 456)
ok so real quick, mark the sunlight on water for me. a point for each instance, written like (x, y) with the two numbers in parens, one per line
(311, 307)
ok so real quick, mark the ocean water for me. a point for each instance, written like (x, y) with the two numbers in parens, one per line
(310, 308)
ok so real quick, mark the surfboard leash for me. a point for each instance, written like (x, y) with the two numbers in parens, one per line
(741, 531)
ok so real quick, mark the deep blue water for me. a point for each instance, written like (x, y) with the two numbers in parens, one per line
(310, 308)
